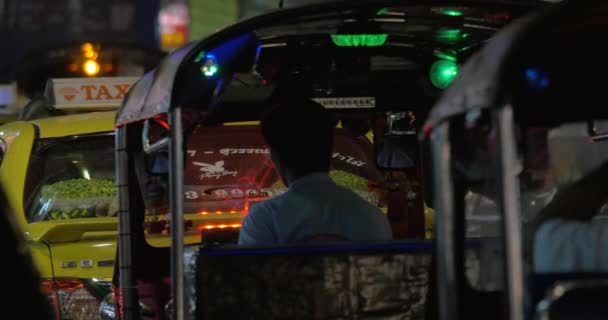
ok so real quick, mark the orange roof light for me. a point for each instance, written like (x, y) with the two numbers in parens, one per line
(91, 68)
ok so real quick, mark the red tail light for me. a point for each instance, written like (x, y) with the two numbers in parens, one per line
(71, 299)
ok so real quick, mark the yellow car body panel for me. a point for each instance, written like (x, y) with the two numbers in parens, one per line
(79, 248)
(18, 136)
(86, 123)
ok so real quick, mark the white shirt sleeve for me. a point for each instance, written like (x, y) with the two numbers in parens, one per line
(256, 228)
(569, 246)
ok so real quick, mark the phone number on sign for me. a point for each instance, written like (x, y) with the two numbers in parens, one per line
(232, 193)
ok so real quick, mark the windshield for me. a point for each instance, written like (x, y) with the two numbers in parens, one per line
(70, 178)
(227, 168)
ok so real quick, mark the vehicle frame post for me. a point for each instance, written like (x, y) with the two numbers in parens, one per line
(446, 248)
(508, 168)
(128, 289)
(176, 204)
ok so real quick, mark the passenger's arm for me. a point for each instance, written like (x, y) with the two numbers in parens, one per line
(256, 228)
(567, 246)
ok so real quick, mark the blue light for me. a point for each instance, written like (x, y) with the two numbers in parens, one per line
(211, 66)
(537, 78)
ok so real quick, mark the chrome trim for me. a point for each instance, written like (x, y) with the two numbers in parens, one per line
(105, 263)
(508, 170)
(447, 283)
(176, 198)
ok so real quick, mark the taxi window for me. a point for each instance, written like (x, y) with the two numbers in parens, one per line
(71, 178)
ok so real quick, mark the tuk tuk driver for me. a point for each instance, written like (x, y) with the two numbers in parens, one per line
(300, 137)
(568, 236)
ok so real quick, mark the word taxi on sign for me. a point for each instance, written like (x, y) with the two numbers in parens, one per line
(85, 93)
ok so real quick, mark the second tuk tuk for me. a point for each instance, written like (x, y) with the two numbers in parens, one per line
(521, 130)
(191, 160)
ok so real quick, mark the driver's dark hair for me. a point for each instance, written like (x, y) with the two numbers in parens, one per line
(300, 133)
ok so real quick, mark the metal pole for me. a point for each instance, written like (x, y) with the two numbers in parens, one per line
(447, 283)
(176, 198)
(127, 287)
(508, 170)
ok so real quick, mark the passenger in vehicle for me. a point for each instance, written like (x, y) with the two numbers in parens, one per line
(566, 239)
(300, 137)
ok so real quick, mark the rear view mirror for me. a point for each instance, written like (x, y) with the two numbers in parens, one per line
(397, 152)
(398, 147)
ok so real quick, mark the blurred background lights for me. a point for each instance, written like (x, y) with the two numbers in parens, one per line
(443, 73)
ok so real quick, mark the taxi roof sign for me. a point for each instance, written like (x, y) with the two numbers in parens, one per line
(103, 93)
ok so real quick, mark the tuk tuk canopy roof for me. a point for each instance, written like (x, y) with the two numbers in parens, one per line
(416, 25)
(542, 64)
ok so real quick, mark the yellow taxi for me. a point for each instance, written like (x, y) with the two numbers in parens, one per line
(58, 172)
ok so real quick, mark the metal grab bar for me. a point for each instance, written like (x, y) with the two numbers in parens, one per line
(145, 140)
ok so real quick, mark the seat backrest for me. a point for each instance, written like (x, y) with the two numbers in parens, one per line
(314, 281)
(539, 285)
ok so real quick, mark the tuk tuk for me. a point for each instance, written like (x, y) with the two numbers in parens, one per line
(187, 136)
(520, 127)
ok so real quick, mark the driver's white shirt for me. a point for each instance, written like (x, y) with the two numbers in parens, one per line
(313, 205)
(570, 246)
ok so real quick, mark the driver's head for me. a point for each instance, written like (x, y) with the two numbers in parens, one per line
(300, 136)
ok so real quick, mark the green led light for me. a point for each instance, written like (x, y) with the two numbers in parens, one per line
(209, 70)
(359, 40)
(382, 11)
(442, 73)
(451, 36)
(199, 57)
(452, 12)
(444, 56)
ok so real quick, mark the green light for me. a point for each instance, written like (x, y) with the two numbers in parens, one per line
(452, 12)
(451, 36)
(200, 56)
(382, 11)
(211, 67)
(209, 71)
(359, 40)
(445, 56)
(443, 72)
